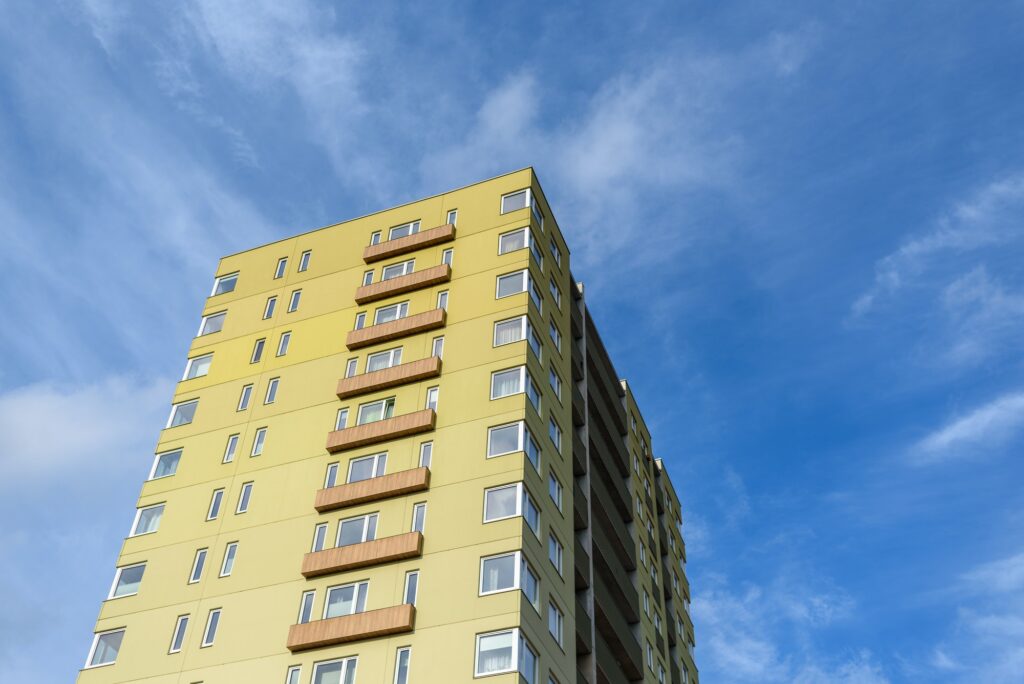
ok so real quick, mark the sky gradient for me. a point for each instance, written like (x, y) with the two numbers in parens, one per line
(800, 225)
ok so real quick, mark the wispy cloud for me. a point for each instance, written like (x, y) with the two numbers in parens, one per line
(982, 430)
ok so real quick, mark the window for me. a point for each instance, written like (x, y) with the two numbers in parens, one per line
(197, 566)
(447, 255)
(555, 433)
(555, 551)
(437, 347)
(426, 454)
(304, 260)
(412, 581)
(293, 301)
(453, 216)
(147, 520)
(375, 238)
(511, 330)
(197, 367)
(555, 621)
(212, 323)
(282, 264)
(556, 294)
(507, 439)
(183, 413)
(503, 572)
(350, 367)
(403, 230)
(178, 635)
(271, 391)
(210, 633)
(268, 310)
(366, 467)
(555, 382)
(384, 359)
(258, 441)
(515, 200)
(228, 564)
(105, 646)
(442, 300)
(342, 420)
(224, 284)
(229, 450)
(215, 501)
(360, 321)
(513, 241)
(244, 497)
(432, 393)
(294, 674)
(402, 656)
(165, 464)
(661, 674)
(345, 600)
(282, 343)
(126, 581)
(510, 501)
(499, 652)
(335, 671)
(555, 490)
(556, 252)
(556, 336)
(331, 478)
(319, 537)
(515, 381)
(367, 278)
(357, 530)
(397, 270)
(386, 314)
(419, 517)
(376, 410)
(650, 655)
(647, 603)
(512, 283)
(244, 397)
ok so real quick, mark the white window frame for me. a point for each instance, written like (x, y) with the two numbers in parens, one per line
(413, 226)
(522, 496)
(367, 528)
(219, 279)
(244, 498)
(517, 574)
(206, 319)
(216, 502)
(555, 335)
(524, 330)
(178, 634)
(523, 273)
(190, 364)
(283, 342)
(138, 517)
(453, 216)
(433, 393)
(555, 434)
(518, 643)
(331, 475)
(419, 510)
(407, 652)
(95, 644)
(156, 462)
(257, 350)
(306, 601)
(555, 490)
(426, 454)
(556, 551)
(385, 405)
(556, 251)
(281, 268)
(212, 625)
(117, 579)
(319, 537)
(230, 554)
(401, 309)
(178, 406)
(367, 277)
(294, 300)
(271, 395)
(442, 300)
(555, 382)
(351, 368)
(231, 448)
(304, 260)
(244, 398)
(341, 420)
(347, 664)
(259, 440)
(198, 565)
(558, 616)
(401, 268)
(556, 293)
(268, 308)
(437, 347)
(293, 675)
(380, 462)
(448, 256)
(360, 321)
(361, 590)
(412, 581)
(393, 358)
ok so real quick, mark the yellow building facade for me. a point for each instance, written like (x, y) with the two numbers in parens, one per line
(399, 453)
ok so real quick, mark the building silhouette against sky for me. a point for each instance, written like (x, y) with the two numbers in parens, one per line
(400, 454)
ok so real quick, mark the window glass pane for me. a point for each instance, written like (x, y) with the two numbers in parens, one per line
(516, 200)
(211, 627)
(178, 638)
(198, 565)
(304, 260)
(335, 673)
(282, 264)
(507, 332)
(505, 383)
(412, 581)
(365, 468)
(183, 413)
(351, 531)
(504, 439)
(149, 520)
(213, 323)
(229, 560)
(225, 284)
(199, 366)
(528, 663)
(529, 583)
(494, 652)
(419, 515)
(510, 242)
(340, 601)
(511, 284)
(390, 313)
(167, 464)
(498, 574)
(402, 667)
(128, 581)
(426, 454)
(501, 503)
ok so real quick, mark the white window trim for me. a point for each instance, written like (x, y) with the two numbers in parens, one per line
(216, 283)
(398, 660)
(346, 664)
(559, 549)
(95, 643)
(269, 307)
(231, 448)
(281, 269)
(428, 448)
(401, 308)
(244, 398)
(207, 638)
(452, 216)
(257, 442)
(524, 330)
(376, 465)
(514, 632)
(138, 515)
(521, 493)
(522, 381)
(175, 407)
(517, 578)
(191, 362)
(331, 467)
(405, 587)
(117, 578)
(204, 319)
(414, 227)
(174, 633)
(421, 506)
(558, 488)
(246, 487)
(293, 670)
(156, 462)
(394, 358)
(526, 284)
(272, 385)
(559, 620)
(294, 299)
(215, 499)
(285, 339)
(201, 555)
(406, 267)
(304, 260)
(363, 586)
(316, 536)
(383, 413)
(364, 537)
(224, 561)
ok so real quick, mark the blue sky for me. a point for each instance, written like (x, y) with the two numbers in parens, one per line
(800, 226)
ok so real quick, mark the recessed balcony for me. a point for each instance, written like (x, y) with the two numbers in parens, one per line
(392, 330)
(381, 430)
(383, 487)
(409, 243)
(401, 374)
(340, 630)
(376, 552)
(407, 283)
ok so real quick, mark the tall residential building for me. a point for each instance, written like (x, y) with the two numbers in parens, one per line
(399, 453)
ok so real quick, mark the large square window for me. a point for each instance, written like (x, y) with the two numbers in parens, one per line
(374, 411)
(512, 283)
(366, 467)
(183, 413)
(394, 312)
(384, 359)
(198, 367)
(495, 652)
(224, 284)
(105, 647)
(335, 672)
(165, 464)
(397, 270)
(404, 230)
(127, 581)
(345, 600)
(212, 323)
(147, 520)
(498, 573)
(357, 530)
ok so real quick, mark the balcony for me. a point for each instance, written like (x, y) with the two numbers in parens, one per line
(376, 552)
(383, 487)
(381, 430)
(581, 566)
(584, 640)
(341, 630)
(389, 377)
(406, 283)
(392, 330)
(409, 243)
(579, 508)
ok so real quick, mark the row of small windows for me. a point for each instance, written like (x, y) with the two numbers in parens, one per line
(227, 283)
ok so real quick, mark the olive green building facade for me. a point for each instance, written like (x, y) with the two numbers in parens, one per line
(400, 454)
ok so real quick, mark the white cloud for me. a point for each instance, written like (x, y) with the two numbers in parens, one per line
(999, 576)
(982, 430)
(984, 317)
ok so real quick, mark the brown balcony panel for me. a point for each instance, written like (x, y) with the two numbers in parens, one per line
(389, 377)
(376, 552)
(392, 330)
(340, 630)
(383, 487)
(409, 243)
(407, 283)
(381, 430)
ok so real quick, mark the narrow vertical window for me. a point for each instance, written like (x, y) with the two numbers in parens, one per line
(555, 622)
(244, 497)
(304, 260)
(453, 216)
(556, 294)
(197, 566)
(367, 278)
(282, 265)
(555, 551)
(555, 382)
(244, 397)
(432, 398)
(306, 606)
(257, 350)
(412, 581)
(555, 433)
(360, 321)
(271, 391)
(442, 300)
(282, 343)
(215, 501)
(350, 367)
(258, 440)
(419, 517)
(375, 238)
(331, 478)
(402, 657)
(228, 564)
(210, 633)
(178, 634)
(556, 252)
(447, 256)
(319, 537)
(268, 310)
(294, 673)
(342, 419)
(426, 454)
(293, 302)
(437, 347)
(556, 336)
(230, 449)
